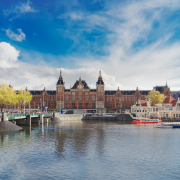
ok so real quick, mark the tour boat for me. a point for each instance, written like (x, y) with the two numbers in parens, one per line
(146, 121)
(169, 125)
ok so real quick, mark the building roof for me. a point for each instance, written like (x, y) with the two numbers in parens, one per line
(100, 80)
(159, 88)
(169, 99)
(85, 86)
(92, 90)
(60, 80)
(126, 92)
(38, 92)
(143, 102)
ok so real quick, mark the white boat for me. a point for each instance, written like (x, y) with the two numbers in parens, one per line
(168, 124)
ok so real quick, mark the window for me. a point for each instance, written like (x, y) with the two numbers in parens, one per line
(110, 98)
(93, 105)
(86, 96)
(73, 96)
(93, 98)
(86, 105)
(80, 105)
(51, 98)
(67, 105)
(100, 98)
(80, 96)
(107, 98)
(67, 98)
(73, 105)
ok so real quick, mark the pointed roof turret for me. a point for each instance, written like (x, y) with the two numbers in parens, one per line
(80, 82)
(60, 80)
(166, 84)
(100, 80)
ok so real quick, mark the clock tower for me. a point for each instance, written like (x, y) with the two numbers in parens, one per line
(100, 97)
(60, 86)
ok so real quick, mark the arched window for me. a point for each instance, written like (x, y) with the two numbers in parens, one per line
(100, 98)
(73, 96)
(86, 96)
(67, 98)
(80, 96)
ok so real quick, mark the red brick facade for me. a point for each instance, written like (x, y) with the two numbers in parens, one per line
(80, 96)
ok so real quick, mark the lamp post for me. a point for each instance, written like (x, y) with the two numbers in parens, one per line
(41, 104)
(24, 101)
(29, 102)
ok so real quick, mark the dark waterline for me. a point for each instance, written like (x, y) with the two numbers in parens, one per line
(90, 150)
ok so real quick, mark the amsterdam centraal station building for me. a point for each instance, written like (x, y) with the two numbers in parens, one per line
(80, 96)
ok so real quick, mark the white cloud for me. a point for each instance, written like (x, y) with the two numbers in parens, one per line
(8, 56)
(20, 9)
(25, 8)
(129, 23)
(16, 37)
(124, 67)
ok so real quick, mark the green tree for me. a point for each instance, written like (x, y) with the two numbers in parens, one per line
(7, 96)
(23, 96)
(155, 97)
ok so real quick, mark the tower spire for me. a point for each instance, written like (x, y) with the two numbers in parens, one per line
(100, 73)
(60, 73)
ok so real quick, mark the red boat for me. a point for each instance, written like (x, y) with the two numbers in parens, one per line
(146, 121)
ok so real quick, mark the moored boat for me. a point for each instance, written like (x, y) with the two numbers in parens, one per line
(169, 125)
(146, 121)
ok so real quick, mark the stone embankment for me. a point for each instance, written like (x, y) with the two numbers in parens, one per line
(8, 126)
(68, 117)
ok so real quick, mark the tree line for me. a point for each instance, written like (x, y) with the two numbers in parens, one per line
(8, 96)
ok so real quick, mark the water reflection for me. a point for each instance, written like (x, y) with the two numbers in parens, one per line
(89, 150)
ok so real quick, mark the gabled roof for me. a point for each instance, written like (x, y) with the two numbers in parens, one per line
(143, 102)
(85, 86)
(169, 99)
(174, 102)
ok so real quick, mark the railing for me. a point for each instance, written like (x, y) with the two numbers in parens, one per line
(23, 116)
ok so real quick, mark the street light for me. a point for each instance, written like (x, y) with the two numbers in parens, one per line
(41, 104)
(24, 101)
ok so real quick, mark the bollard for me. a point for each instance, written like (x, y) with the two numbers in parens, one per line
(4, 117)
(28, 121)
(41, 118)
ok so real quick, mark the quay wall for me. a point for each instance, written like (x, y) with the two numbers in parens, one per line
(69, 117)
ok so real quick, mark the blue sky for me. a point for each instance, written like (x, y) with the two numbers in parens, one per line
(134, 43)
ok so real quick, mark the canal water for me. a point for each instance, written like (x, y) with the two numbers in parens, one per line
(90, 150)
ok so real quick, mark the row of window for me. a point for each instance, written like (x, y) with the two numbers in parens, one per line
(79, 105)
(123, 98)
(100, 98)
(117, 105)
(49, 98)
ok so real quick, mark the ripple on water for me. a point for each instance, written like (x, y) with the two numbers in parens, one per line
(82, 150)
